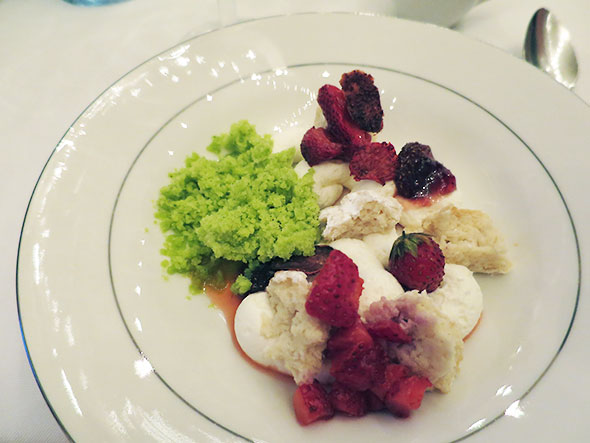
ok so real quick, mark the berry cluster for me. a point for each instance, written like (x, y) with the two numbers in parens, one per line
(352, 114)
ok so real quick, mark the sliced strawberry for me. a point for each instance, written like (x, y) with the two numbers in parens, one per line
(311, 403)
(375, 161)
(406, 395)
(389, 330)
(340, 125)
(362, 100)
(346, 339)
(374, 403)
(347, 400)
(334, 296)
(317, 147)
(357, 367)
(388, 378)
(417, 262)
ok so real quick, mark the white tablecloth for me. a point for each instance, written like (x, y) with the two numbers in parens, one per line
(55, 58)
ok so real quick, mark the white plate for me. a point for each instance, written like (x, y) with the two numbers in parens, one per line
(120, 353)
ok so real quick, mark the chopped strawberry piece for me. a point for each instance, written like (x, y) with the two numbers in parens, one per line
(375, 161)
(406, 395)
(348, 401)
(374, 403)
(345, 339)
(316, 147)
(311, 403)
(340, 125)
(356, 358)
(362, 100)
(387, 379)
(334, 296)
(389, 330)
(356, 368)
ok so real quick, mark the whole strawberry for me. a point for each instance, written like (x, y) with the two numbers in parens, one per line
(417, 262)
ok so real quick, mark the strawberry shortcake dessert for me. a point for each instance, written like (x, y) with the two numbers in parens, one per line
(379, 314)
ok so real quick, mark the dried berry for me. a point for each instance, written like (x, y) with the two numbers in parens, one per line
(375, 161)
(363, 101)
(317, 147)
(419, 175)
(340, 125)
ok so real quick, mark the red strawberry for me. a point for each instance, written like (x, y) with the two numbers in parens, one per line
(311, 403)
(362, 100)
(406, 395)
(347, 400)
(340, 125)
(334, 295)
(374, 403)
(417, 262)
(357, 367)
(355, 358)
(345, 339)
(419, 175)
(389, 330)
(375, 161)
(387, 379)
(316, 146)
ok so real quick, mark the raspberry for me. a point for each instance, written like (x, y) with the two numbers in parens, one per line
(375, 161)
(419, 175)
(363, 101)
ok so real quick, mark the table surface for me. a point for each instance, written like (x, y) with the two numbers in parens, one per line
(56, 58)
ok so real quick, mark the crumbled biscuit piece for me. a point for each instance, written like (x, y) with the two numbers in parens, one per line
(469, 238)
(300, 339)
(361, 213)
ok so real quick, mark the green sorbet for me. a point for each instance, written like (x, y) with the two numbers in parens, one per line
(249, 207)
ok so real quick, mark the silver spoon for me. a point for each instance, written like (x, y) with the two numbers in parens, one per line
(547, 46)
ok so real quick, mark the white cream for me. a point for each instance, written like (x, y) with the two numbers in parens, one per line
(381, 244)
(459, 297)
(251, 314)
